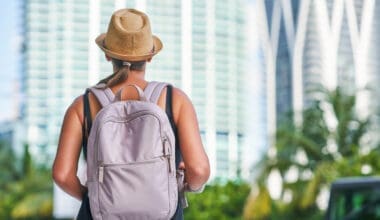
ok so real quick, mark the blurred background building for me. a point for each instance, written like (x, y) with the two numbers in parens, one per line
(319, 42)
(204, 54)
(11, 135)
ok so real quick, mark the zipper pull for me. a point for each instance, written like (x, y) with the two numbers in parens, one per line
(167, 153)
(170, 167)
(101, 174)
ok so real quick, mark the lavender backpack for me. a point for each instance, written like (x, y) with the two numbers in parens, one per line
(131, 170)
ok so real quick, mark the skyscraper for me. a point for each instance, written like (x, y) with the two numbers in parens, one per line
(55, 68)
(326, 42)
(204, 54)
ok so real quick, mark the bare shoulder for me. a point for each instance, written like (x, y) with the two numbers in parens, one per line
(78, 102)
(76, 108)
(182, 105)
(180, 96)
(181, 99)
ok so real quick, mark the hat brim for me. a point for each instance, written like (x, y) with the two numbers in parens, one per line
(156, 43)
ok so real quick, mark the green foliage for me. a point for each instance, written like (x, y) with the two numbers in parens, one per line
(37, 206)
(258, 206)
(26, 162)
(26, 193)
(328, 152)
(7, 166)
(218, 201)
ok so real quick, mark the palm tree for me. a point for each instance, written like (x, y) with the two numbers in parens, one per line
(328, 144)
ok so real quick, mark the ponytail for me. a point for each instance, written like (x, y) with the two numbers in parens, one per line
(123, 68)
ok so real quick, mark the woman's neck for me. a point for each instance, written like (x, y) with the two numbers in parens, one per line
(134, 75)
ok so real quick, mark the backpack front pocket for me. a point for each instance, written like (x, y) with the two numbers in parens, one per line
(135, 190)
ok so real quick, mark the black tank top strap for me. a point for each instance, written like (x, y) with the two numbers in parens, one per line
(87, 122)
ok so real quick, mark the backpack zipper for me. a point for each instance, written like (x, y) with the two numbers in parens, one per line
(102, 166)
(133, 117)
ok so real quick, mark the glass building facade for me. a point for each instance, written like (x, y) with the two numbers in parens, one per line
(54, 69)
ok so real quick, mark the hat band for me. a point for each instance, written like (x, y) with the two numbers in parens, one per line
(104, 45)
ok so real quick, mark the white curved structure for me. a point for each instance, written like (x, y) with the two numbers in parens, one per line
(308, 42)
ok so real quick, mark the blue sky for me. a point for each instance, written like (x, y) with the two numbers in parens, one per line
(9, 66)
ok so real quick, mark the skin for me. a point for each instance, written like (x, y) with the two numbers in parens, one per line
(195, 161)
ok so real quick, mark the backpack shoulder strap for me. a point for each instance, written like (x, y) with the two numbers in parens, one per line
(153, 90)
(149, 89)
(104, 94)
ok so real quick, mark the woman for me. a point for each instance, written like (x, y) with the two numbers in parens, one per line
(129, 45)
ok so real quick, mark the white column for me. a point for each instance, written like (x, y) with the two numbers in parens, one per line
(186, 44)
(51, 62)
(68, 52)
(297, 61)
(329, 38)
(352, 25)
(210, 86)
(363, 97)
(270, 62)
(253, 78)
(93, 50)
(232, 95)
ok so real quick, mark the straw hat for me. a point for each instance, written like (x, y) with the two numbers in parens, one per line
(129, 37)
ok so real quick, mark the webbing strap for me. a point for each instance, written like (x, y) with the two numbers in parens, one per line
(104, 94)
(153, 91)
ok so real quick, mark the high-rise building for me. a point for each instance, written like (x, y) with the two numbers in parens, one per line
(204, 54)
(55, 68)
(325, 42)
